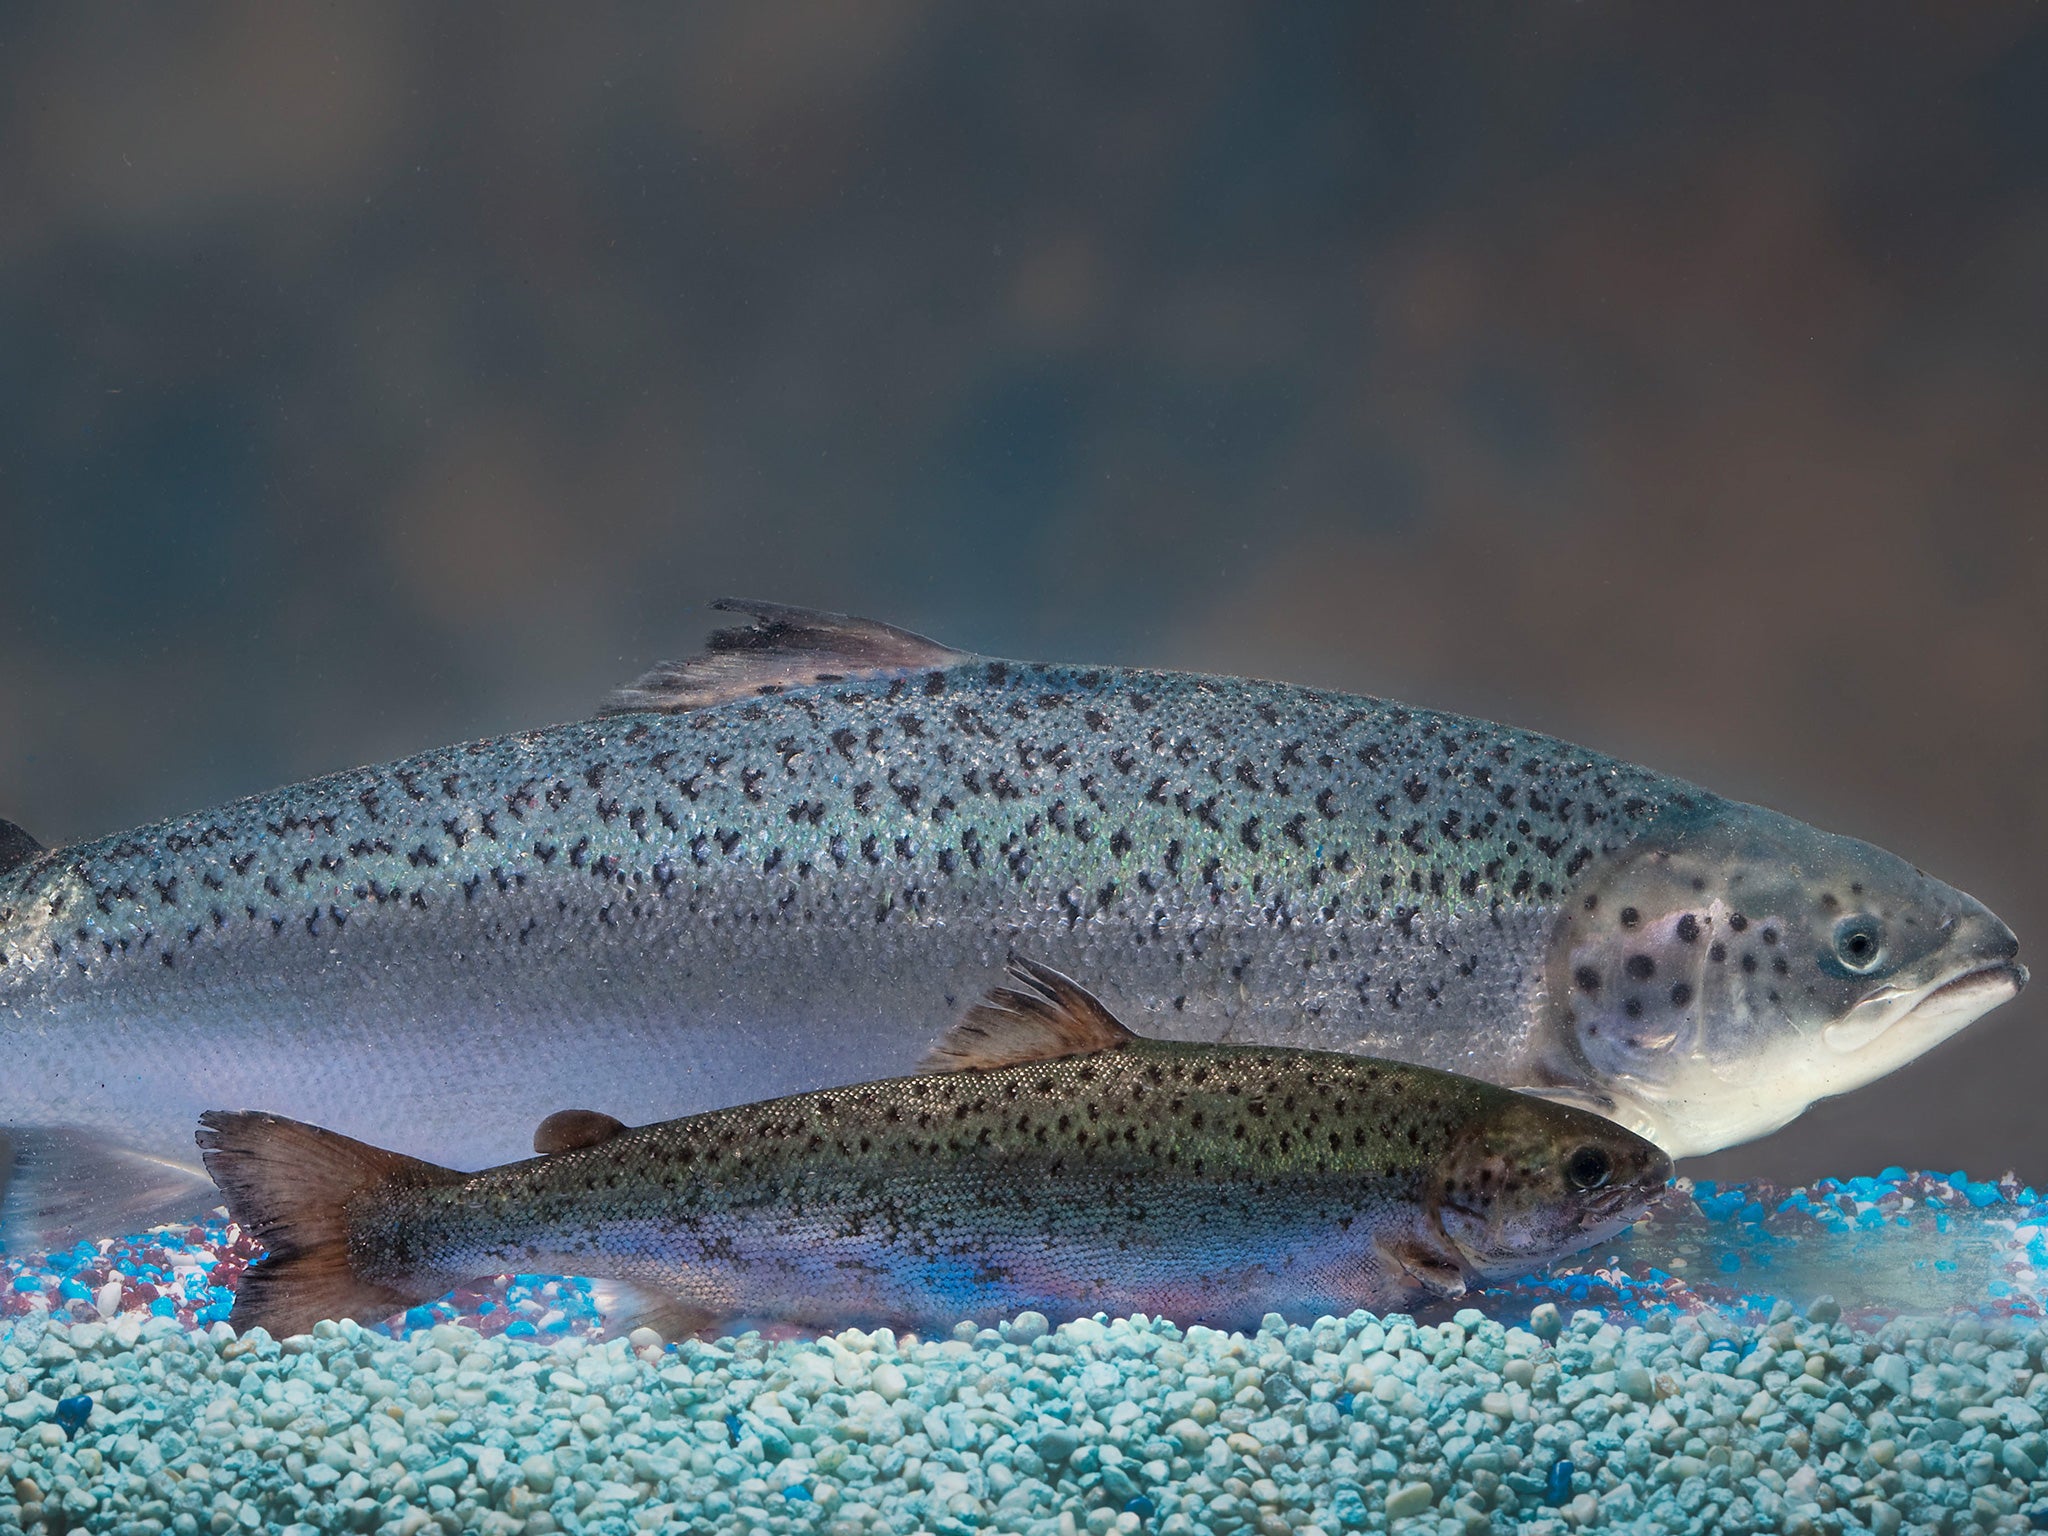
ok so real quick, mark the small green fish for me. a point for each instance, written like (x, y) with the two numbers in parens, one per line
(1051, 1160)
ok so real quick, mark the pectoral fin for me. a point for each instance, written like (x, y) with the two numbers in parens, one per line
(626, 1306)
(62, 1180)
(1428, 1269)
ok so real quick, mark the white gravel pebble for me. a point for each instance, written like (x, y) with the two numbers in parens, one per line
(1801, 1424)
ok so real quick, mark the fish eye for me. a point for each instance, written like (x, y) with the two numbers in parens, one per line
(1859, 943)
(1588, 1168)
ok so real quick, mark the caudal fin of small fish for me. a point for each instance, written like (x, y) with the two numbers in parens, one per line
(783, 648)
(289, 1185)
(16, 847)
(59, 1181)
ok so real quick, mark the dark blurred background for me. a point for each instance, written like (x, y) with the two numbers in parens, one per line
(1671, 379)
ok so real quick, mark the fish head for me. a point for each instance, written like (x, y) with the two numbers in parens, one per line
(1730, 966)
(1528, 1181)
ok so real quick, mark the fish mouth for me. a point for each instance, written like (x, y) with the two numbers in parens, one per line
(1623, 1204)
(1935, 1015)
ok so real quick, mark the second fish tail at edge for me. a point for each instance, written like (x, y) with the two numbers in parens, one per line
(289, 1185)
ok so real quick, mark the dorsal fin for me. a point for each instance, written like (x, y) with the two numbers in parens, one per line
(1045, 1016)
(782, 648)
(567, 1129)
(16, 847)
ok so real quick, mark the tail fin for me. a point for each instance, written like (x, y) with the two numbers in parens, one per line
(60, 1181)
(291, 1185)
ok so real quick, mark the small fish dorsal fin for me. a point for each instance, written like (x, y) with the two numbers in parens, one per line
(568, 1129)
(16, 846)
(782, 648)
(1044, 1017)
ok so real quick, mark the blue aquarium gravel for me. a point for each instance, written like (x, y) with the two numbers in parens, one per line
(1657, 1387)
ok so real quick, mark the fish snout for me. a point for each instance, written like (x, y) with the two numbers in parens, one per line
(1993, 949)
(1998, 943)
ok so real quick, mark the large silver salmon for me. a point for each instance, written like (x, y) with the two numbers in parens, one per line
(1064, 1164)
(787, 864)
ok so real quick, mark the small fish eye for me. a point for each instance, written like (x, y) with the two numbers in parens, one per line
(1588, 1168)
(1859, 943)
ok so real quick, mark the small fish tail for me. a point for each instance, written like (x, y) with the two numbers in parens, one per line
(292, 1186)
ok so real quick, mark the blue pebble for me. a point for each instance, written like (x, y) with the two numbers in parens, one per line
(419, 1317)
(1558, 1486)
(72, 1412)
(798, 1492)
(519, 1329)
(1141, 1506)
(1344, 1401)
(26, 1283)
(163, 1306)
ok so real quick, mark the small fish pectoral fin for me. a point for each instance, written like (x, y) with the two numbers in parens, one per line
(61, 1179)
(1044, 1017)
(783, 648)
(1427, 1268)
(566, 1130)
(627, 1305)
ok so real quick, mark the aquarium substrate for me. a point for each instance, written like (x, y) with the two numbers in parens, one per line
(1860, 1355)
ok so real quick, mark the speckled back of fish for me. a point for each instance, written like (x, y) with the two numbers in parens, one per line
(797, 878)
